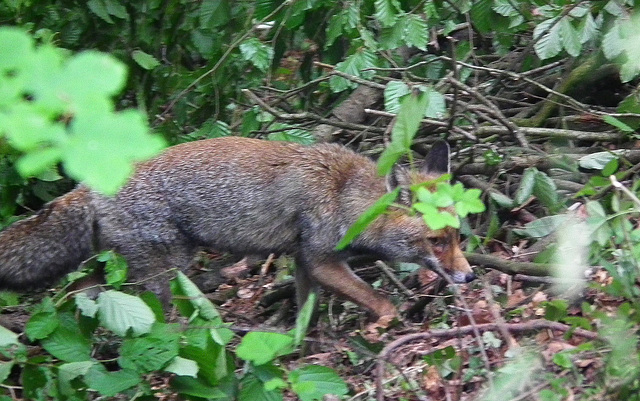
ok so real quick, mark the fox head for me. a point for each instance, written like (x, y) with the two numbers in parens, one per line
(404, 237)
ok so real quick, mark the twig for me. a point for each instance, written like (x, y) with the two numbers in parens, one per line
(387, 271)
(222, 59)
(533, 325)
(509, 266)
(306, 116)
(513, 129)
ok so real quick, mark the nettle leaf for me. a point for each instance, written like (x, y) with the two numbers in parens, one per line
(393, 92)
(355, 65)
(386, 11)
(67, 342)
(570, 37)
(416, 31)
(148, 353)
(366, 218)
(120, 312)
(69, 371)
(252, 388)
(313, 382)
(550, 44)
(43, 321)
(261, 347)
(183, 367)
(145, 60)
(256, 52)
(88, 307)
(110, 383)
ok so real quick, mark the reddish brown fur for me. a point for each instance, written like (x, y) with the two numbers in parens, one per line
(239, 195)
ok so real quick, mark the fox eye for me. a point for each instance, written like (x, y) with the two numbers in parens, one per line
(438, 243)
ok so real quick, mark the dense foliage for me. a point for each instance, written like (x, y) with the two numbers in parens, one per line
(539, 98)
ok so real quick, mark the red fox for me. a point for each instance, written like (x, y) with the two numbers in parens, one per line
(245, 196)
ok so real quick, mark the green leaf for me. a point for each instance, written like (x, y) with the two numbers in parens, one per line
(304, 317)
(98, 141)
(598, 160)
(198, 301)
(38, 161)
(389, 157)
(67, 342)
(150, 352)
(313, 382)
(252, 388)
(393, 92)
(183, 367)
(260, 347)
(295, 135)
(355, 65)
(436, 104)
(416, 32)
(70, 371)
(87, 306)
(40, 325)
(618, 124)
(470, 203)
(412, 108)
(541, 227)
(214, 13)
(334, 28)
(366, 218)
(120, 312)
(550, 43)
(570, 38)
(525, 190)
(435, 218)
(110, 383)
(257, 53)
(145, 60)
(99, 8)
(195, 387)
(8, 337)
(386, 11)
(545, 190)
(5, 370)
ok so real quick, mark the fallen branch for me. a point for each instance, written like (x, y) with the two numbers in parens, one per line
(532, 325)
(509, 266)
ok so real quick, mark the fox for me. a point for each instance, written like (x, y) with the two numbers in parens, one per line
(244, 196)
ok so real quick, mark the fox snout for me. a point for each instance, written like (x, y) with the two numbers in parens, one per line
(461, 277)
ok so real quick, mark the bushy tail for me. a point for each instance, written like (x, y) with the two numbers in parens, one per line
(36, 251)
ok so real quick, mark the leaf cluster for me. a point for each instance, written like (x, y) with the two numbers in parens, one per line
(196, 354)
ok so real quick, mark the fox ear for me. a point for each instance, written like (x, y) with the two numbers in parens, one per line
(399, 177)
(438, 159)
